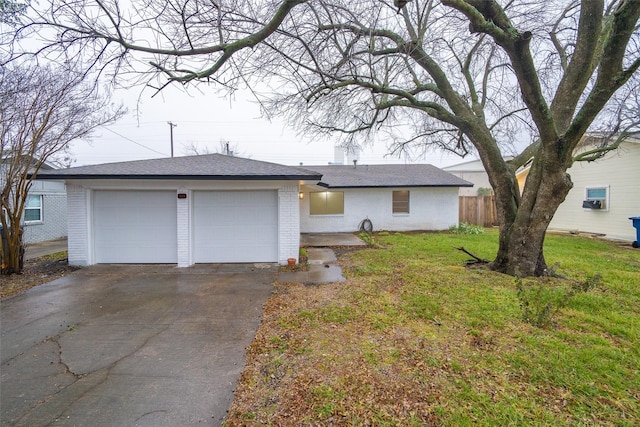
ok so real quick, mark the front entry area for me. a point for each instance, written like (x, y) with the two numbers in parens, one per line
(235, 226)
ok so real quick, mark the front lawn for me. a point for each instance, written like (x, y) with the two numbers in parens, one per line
(415, 338)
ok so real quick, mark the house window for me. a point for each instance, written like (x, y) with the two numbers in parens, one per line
(596, 198)
(327, 203)
(401, 202)
(33, 209)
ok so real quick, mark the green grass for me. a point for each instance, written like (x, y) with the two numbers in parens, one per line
(415, 338)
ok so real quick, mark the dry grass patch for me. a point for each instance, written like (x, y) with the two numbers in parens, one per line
(412, 338)
(36, 272)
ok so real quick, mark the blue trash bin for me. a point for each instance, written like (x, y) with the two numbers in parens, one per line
(636, 223)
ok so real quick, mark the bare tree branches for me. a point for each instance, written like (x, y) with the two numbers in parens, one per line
(41, 111)
(460, 75)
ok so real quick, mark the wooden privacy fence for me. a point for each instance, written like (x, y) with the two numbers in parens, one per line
(478, 210)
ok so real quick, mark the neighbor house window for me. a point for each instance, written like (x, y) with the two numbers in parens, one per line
(327, 203)
(596, 198)
(401, 202)
(33, 209)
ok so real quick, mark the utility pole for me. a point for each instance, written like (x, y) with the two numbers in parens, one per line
(171, 126)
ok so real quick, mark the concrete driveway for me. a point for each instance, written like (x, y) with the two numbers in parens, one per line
(129, 345)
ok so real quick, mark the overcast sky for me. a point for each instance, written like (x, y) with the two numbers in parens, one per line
(204, 119)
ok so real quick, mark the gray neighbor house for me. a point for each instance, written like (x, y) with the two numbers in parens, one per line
(45, 212)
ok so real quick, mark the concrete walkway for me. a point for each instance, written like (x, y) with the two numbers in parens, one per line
(35, 250)
(327, 240)
(323, 268)
(323, 264)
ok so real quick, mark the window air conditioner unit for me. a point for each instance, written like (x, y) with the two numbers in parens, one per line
(592, 204)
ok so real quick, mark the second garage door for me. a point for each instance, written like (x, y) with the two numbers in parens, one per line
(135, 227)
(235, 226)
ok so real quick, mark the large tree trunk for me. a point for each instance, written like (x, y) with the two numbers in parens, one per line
(523, 227)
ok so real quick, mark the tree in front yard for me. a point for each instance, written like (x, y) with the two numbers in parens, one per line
(42, 109)
(457, 75)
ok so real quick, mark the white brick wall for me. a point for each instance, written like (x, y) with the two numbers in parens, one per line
(80, 215)
(78, 225)
(184, 229)
(288, 223)
(430, 209)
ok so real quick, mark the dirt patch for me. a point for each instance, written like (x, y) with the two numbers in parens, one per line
(36, 272)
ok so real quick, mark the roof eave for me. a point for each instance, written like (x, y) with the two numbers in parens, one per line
(185, 177)
(393, 186)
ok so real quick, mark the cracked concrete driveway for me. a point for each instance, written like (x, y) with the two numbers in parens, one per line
(129, 345)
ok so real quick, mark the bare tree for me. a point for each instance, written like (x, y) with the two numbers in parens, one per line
(483, 76)
(224, 147)
(10, 12)
(194, 149)
(42, 109)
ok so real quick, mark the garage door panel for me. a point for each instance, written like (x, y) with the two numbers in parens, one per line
(236, 226)
(135, 226)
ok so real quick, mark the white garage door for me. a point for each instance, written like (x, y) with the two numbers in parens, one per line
(135, 226)
(235, 226)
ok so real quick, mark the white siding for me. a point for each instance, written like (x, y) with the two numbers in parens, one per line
(78, 225)
(479, 180)
(620, 171)
(433, 208)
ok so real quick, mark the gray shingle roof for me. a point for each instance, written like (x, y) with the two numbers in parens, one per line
(364, 176)
(208, 166)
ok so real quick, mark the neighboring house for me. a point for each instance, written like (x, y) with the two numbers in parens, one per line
(392, 197)
(216, 208)
(45, 211)
(605, 194)
(474, 172)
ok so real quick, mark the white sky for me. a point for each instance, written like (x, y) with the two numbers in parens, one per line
(204, 119)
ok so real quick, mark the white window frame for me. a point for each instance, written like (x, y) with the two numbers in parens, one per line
(604, 201)
(39, 208)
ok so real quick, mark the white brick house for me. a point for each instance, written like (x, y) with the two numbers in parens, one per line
(221, 209)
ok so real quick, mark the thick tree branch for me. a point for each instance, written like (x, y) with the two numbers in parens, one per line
(486, 16)
(611, 74)
(581, 65)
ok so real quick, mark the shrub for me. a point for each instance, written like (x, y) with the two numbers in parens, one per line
(465, 228)
(369, 239)
(540, 301)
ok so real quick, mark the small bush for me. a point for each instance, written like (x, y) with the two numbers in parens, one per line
(465, 228)
(369, 239)
(539, 301)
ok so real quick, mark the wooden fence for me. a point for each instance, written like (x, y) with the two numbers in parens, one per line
(478, 210)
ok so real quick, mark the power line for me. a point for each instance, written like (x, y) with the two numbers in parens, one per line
(137, 143)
